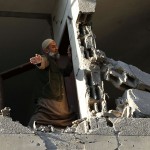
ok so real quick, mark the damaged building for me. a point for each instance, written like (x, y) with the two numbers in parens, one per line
(109, 87)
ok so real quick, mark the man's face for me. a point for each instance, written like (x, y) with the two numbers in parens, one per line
(52, 47)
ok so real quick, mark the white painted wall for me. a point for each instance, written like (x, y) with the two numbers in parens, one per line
(59, 19)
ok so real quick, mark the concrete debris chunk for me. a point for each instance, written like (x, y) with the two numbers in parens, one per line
(125, 76)
(6, 111)
(127, 112)
(82, 127)
(71, 129)
(78, 121)
(112, 114)
(136, 103)
(43, 128)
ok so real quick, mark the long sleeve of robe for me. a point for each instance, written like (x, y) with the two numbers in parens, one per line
(52, 106)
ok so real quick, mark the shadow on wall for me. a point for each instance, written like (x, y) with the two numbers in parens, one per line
(69, 81)
(24, 36)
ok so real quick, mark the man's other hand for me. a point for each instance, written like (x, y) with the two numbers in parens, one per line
(37, 59)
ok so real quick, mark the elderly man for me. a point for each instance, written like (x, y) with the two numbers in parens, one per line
(52, 107)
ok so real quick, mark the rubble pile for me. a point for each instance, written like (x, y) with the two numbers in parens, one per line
(135, 84)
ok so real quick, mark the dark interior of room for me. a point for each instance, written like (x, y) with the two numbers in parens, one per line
(122, 30)
(21, 39)
(20, 81)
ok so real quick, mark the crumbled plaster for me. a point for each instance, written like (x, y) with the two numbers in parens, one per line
(95, 65)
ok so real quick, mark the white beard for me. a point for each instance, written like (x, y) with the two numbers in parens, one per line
(51, 54)
(54, 55)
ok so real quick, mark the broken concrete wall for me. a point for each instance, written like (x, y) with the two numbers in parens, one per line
(74, 12)
(134, 103)
(14, 136)
(125, 76)
(89, 62)
(121, 133)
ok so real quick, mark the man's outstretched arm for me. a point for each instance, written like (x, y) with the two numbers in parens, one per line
(40, 61)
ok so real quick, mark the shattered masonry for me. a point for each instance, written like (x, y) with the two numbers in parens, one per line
(135, 83)
(91, 59)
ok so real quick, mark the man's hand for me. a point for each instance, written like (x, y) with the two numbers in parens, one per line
(36, 60)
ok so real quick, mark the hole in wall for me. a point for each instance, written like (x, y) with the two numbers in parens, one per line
(113, 94)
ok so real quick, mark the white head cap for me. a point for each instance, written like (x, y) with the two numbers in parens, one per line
(45, 43)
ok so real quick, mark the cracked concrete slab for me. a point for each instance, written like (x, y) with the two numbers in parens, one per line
(134, 142)
(115, 133)
(95, 142)
(68, 141)
(61, 141)
(14, 136)
(21, 142)
(132, 126)
(7, 126)
(113, 126)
